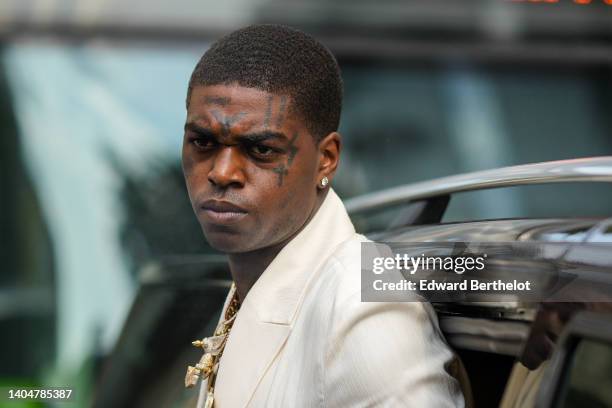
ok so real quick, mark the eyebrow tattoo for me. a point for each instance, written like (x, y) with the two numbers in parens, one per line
(268, 112)
(281, 111)
(217, 100)
(227, 121)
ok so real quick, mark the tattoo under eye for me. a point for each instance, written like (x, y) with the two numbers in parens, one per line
(282, 170)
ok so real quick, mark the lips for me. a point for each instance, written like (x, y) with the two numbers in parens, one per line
(222, 212)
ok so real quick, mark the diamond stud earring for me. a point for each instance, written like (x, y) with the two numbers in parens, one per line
(324, 182)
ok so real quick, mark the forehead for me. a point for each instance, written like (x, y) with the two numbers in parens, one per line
(234, 109)
(233, 98)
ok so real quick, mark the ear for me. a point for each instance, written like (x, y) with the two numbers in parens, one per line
(329, 156)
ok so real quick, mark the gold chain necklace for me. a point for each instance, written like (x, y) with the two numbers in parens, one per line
(213, 349)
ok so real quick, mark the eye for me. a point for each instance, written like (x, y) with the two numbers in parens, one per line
(203, 143)
(262, 150)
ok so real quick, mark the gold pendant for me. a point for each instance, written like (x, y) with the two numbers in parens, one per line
(206, 364)
(192, 376)
(213, 344)
(213, 347)
(210, 399)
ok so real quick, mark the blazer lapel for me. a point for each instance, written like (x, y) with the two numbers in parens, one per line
(251, 347)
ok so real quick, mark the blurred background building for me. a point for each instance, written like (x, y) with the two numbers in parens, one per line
(92, 105)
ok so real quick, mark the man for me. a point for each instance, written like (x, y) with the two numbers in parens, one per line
(260, 151)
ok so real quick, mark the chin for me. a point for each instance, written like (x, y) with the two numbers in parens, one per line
(229, 248)
(227, 243)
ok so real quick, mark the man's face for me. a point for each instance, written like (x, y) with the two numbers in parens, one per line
(250, 165)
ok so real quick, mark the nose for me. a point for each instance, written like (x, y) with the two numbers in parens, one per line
(227, 168)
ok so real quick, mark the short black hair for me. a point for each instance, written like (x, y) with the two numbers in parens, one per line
(280, 60)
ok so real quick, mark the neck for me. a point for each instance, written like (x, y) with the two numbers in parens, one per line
(247, 267)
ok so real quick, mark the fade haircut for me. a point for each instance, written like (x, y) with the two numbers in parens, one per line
(279, 60)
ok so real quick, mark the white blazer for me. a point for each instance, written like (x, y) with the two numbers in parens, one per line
(303, 338)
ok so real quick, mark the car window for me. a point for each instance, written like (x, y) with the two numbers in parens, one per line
(406, 123)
